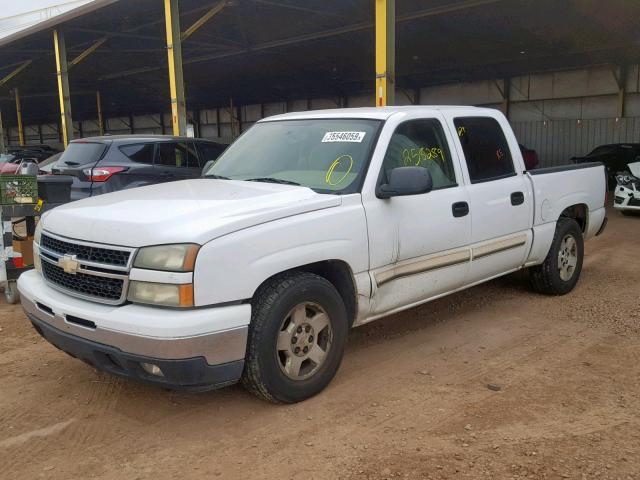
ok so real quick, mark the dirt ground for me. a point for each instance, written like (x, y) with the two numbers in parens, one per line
(411, 399)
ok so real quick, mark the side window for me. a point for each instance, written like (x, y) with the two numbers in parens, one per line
(209, 151)
(485, 148)
(140, 153)
(422, 143)
(179, 154)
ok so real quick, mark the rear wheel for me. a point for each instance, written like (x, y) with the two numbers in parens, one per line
(297, 337)
(560, 271)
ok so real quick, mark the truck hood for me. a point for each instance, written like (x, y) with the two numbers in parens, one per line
(189, 211)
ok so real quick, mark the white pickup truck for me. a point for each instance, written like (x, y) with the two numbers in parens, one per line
(309, 224)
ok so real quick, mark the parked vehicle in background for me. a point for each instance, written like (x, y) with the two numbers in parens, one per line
(10, 161)
(627, 193)
(310, 223)
(111, 163)
(37, 152)
(615, 157)
(46, 166)
(529, 156)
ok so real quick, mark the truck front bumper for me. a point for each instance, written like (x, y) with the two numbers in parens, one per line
(626, 198)
(198, 349)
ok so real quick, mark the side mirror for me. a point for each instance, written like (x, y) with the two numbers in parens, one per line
(406, 181)
(207, 166)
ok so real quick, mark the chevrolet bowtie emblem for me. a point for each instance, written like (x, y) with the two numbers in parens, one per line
(69, 264)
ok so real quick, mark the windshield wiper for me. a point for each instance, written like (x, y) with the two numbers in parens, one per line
(217, 177)
(272, 180)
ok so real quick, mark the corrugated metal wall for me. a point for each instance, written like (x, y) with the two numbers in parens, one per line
(556, 141)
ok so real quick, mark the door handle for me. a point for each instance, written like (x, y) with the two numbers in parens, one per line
(460, 209)
(517, 198)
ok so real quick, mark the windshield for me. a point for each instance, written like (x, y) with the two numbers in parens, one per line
(329, 156)
(5, 157)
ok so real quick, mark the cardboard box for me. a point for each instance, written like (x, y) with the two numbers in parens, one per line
(25, 248)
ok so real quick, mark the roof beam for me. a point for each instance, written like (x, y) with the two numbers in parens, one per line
(296, 7)
(363, 26)
(217, 8)
(15, 71)
(88, 51)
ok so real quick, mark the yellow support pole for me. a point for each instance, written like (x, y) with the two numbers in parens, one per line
(16, 93)
(62, 73)
(2, 145)
(99, 106)
(385, 52)
(176, 82)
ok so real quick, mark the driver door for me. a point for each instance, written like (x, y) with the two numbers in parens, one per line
(419, 244)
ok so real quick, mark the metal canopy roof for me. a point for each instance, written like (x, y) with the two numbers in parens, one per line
(269, 50)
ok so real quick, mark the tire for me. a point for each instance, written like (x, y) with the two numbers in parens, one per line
(11, 294)
(629, 213)
(553, 277)
(282, 309)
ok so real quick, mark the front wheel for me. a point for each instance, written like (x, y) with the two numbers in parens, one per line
(560, 271)
(297, 337)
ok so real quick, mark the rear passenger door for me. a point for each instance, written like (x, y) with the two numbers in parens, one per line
(177, 161)
(140, 170)
(500, 196)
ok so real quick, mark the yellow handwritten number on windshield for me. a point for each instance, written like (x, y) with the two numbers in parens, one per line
(340, 161)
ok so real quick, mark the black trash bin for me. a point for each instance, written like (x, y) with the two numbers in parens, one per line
(55, 188)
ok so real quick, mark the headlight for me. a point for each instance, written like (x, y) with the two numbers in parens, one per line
(38, 233)
(161, 294)
(36, 250)
(36, 260)
(172, 258)
(623, 179)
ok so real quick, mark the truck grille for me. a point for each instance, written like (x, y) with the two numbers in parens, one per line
(109, 289)
(119, 258)
(84, 269)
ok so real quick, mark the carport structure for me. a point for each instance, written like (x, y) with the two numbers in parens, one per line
(124, 58)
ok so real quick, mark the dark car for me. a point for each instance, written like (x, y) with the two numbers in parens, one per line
(37, 153)
(111, 163)
(615, 158)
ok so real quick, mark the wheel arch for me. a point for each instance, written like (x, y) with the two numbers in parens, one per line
(336, 272)
(580, 213)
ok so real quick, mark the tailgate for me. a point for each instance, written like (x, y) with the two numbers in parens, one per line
(76, 159)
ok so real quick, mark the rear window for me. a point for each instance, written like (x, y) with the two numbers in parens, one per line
(82, 153)
(485, 148)
(140, 153)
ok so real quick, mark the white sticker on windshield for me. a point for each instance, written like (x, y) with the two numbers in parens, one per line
(356, 137)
